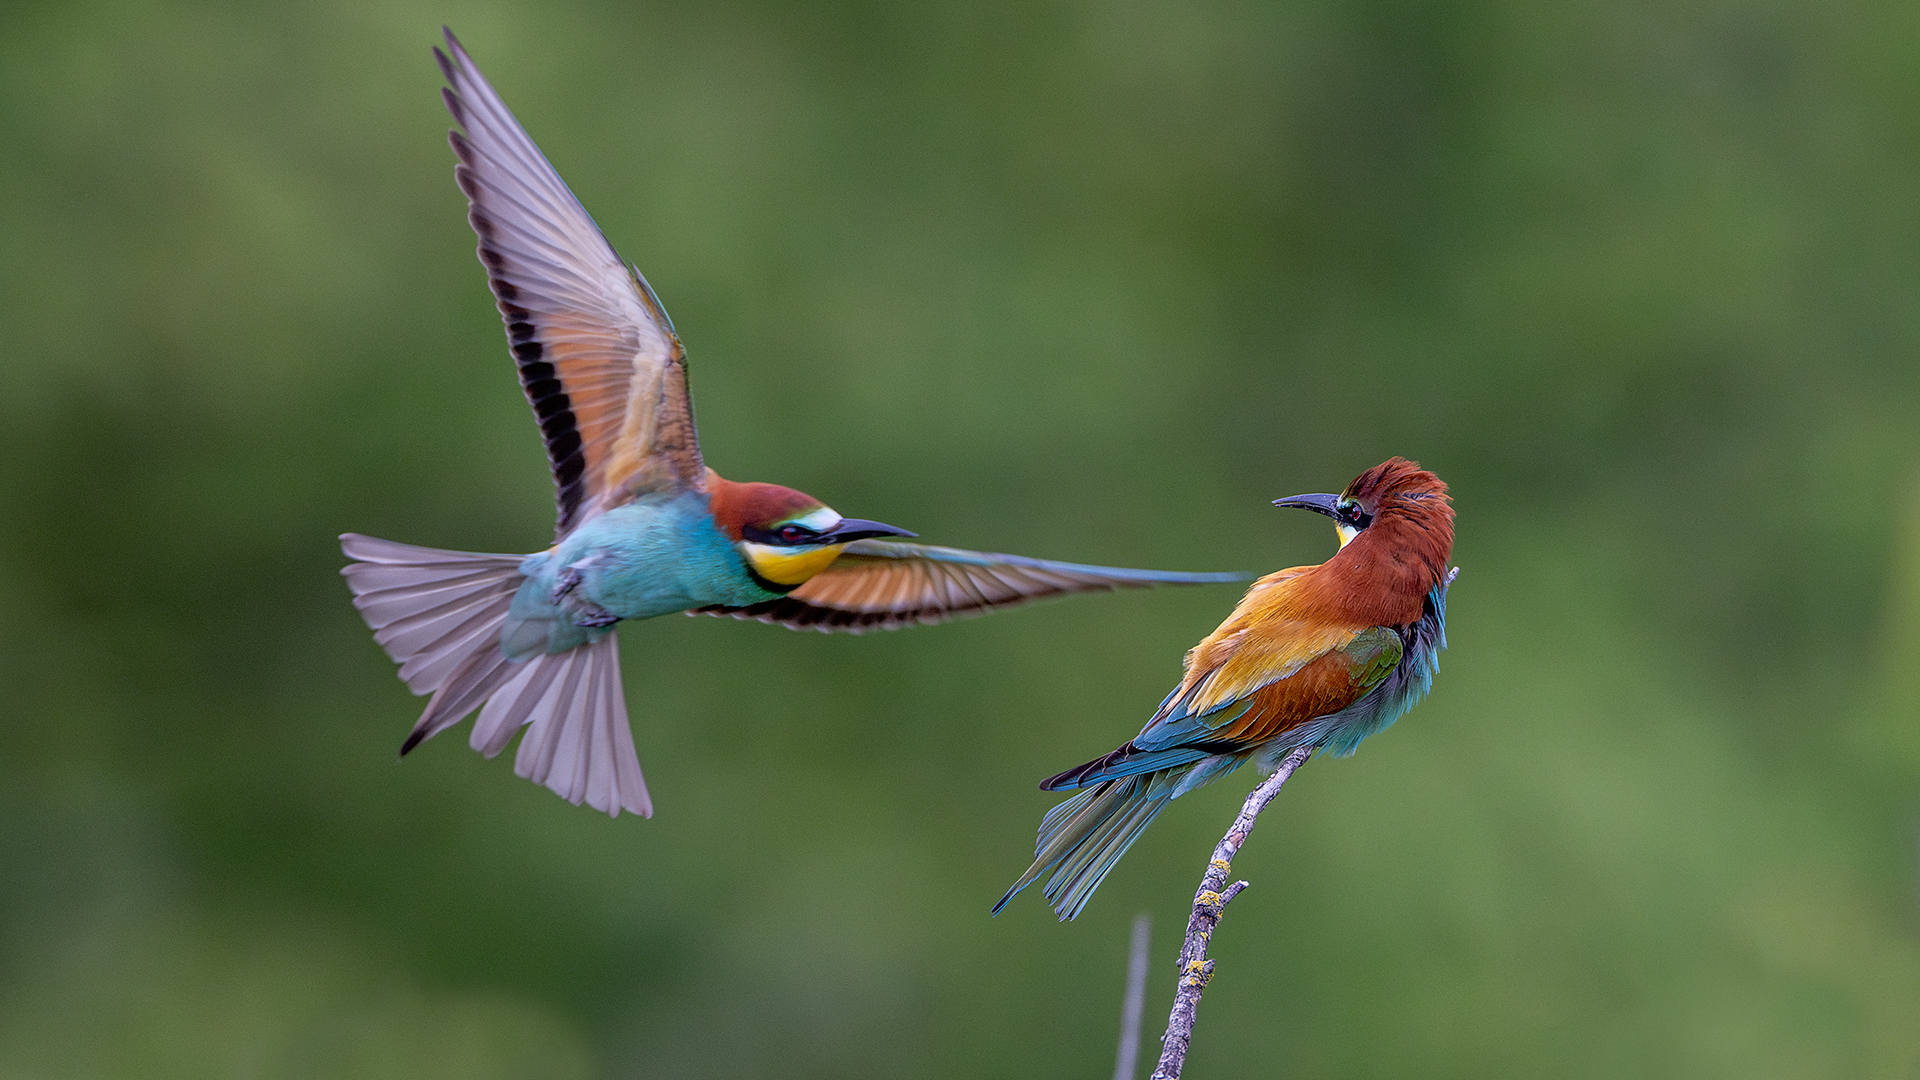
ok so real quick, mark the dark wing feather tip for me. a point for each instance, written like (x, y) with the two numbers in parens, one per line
(587, 336)
(453, 103)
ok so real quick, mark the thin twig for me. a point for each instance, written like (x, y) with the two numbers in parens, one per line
(1135, 1002)
(1208, 904)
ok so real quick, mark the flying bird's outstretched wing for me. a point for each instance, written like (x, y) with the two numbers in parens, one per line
(597, 355)
(884, 585)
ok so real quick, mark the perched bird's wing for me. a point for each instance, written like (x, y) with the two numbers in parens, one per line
(1258, 644)
(1319, 687)
(1239, 668)
(884, 585)
(598, 357)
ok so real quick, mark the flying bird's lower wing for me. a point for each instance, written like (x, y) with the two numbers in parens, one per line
(884, 585)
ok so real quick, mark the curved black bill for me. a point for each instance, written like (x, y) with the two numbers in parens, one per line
(1319, 504)
(851, 529)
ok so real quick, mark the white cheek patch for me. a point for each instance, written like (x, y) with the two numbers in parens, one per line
(1347, 533)
(823, 520)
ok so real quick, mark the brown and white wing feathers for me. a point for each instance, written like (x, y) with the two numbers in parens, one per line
(597, 356)
(885, 585)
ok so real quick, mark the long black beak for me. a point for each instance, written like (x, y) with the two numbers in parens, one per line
(851, 529)
(1319, 504)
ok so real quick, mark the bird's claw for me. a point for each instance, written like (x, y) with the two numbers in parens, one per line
(588, 613)
(584, 612)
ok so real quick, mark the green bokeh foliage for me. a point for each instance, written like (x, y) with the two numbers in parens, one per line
(1083, 280)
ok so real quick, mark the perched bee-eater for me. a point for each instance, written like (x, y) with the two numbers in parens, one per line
(645, 528)
(1319, 656)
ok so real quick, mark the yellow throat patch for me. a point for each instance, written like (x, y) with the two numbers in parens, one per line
(787, 565)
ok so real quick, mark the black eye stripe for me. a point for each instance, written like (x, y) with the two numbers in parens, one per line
(787, 535)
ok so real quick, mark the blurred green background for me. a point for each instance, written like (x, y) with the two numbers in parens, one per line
(1084, 280)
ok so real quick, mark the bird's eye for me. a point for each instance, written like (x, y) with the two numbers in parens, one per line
(793, 534)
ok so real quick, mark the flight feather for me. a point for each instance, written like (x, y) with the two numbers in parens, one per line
(597, 356)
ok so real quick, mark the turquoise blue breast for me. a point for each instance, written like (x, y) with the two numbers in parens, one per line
(650, 557)
(656, 557)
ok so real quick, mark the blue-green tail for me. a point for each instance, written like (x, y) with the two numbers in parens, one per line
(1081, 839)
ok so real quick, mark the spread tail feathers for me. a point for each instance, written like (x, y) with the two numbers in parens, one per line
(438, 615)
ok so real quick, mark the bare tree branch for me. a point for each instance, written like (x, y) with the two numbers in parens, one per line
(1135, 1002)
(1208, 905)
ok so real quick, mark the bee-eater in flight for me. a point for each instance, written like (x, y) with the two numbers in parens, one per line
(645, 528)
(1319, 656)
